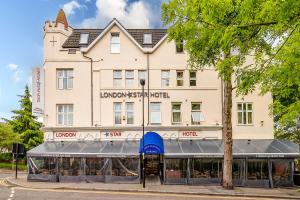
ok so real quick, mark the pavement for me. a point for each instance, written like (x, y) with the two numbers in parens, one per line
(215, 190)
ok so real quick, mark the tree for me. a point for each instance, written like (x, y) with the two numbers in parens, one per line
(222, 33)
(25, 124)
(7, 137)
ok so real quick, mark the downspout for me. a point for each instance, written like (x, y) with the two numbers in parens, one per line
(92, 95)
(148, 88)
(222, 103)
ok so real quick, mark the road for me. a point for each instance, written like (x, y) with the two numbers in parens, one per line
(8, 192)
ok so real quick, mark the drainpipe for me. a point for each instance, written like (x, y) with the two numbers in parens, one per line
(222, 103)
(92, 98)
(148, 88)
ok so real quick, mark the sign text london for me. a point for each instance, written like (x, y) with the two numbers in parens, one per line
(133, 94)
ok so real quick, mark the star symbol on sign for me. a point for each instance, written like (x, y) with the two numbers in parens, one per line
(106, 134)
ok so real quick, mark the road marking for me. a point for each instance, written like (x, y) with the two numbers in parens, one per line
(144, 194)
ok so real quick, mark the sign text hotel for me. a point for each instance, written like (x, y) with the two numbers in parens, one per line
(129, 94)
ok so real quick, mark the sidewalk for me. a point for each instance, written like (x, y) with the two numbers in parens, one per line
(279, 193)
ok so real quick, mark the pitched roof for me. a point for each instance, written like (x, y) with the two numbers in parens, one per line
(137, 34)
(61, 17)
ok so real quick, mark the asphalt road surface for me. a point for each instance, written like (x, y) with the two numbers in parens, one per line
(8, 192)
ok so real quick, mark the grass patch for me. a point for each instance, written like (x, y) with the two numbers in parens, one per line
(7, 165)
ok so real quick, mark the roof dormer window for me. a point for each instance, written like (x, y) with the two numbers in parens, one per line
(84, 38)
(147, 38)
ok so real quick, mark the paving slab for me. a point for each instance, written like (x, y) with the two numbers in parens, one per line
(279, 193)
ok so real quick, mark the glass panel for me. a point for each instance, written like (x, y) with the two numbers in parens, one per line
(125, 167)
(238, 169)
(176, 168)
(206, 168)
(165, 74)
(129, 82)
(147, 38)
(240, 117)
(129, 74)
(84, 38)
(118, 74)
(71, 167)
(118, 118)
(142, 74)
(192, 75)
(129, 106)
(249, 117)
(70, 108)
(60, 119)
(65, 83)
(179, 75)
(42, 165)
(195, 117)
(179, 47)
(240, 107)
(257, 170)
(70, 83)
(176, 117)
(155, 106)
(249, 106)
(244, 118)
(193, 83)
(195, 106)
(70, 119)
(96, 166)
(115, 38)
(129, 118)
(155, 117)
(117, 82)
(282, 172)
(176, 107)
(115, 48)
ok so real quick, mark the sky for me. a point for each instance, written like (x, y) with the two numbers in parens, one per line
(21, 34)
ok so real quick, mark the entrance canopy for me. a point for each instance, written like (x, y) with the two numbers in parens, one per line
(153, 144)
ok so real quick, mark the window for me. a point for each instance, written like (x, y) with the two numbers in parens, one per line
(165, 78)
(129, 113)
(193, 78)
(115, 43)
(244, 113)
(72, 51)
(118, 78)
(196, 114)
(84, 38)
(118, 113)
(179, 78)
(147, 38)
(65, 114)
(142, 75)
(176, 112)
(64, 78)
(155, 114)
(129, 76)
(179, 46)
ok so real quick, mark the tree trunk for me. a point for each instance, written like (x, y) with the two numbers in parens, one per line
(227, 135)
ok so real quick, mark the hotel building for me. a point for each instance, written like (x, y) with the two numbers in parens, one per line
(93, 112)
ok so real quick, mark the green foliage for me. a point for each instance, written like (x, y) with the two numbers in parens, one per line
(7, 137)
(6, 157)
(24, 123)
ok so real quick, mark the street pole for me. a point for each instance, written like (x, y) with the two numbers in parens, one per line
(17, 154)
(142, 81)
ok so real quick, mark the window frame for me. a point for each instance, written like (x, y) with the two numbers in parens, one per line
(165, 78)
(112, 42)
(180, 79)
(176, 111)
(192, 111)
(151, 111)
(120, 79)
(119, 111)
(193, 78)
(129, 111)
(65, 113)
(179, 44)
(87, 38)
(150, 38)
(246, 111)
(65, 76)
(129, 78)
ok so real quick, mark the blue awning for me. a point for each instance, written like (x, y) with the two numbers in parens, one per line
(153, 144)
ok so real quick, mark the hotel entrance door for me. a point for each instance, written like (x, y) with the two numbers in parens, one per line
(152, 165)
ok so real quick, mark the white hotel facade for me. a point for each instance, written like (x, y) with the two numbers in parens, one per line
(92, 88)
(92, 113)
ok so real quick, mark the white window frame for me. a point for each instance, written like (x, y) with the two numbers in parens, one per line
(117, 111)
(196, 111)
(140, 77)
(128, 111)
(176, 111)
(165, 79)
(117, 79)
(155, 112)
(115, 42)
(66, 113)
(244, 113)
(179, 79)
(193, 78)
(177, 44)
(129, 80)
(64, 79)
(84, 38)
(147, 38)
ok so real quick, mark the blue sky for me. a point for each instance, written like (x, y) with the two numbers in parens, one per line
(21, 35)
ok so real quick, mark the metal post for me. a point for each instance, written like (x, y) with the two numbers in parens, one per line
(142, 81)
(17, 153)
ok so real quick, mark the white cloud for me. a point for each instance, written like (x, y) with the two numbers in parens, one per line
(70, 7)
(12, 66)
(132, 15)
